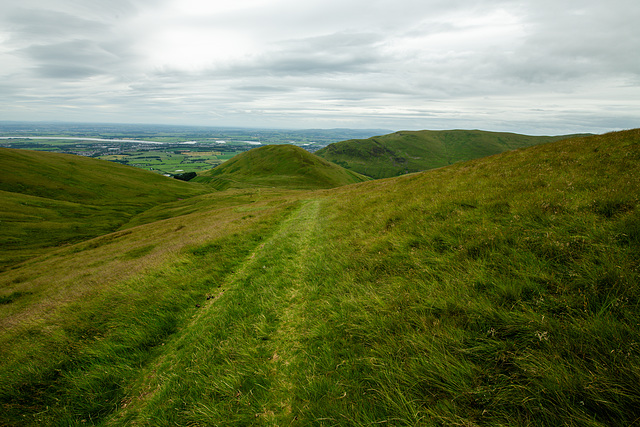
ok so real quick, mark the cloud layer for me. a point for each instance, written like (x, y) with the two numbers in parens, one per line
(529, 66)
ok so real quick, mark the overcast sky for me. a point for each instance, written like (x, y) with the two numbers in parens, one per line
(526, 66)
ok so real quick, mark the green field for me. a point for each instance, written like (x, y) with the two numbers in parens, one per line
(501, 291)
(173, 162)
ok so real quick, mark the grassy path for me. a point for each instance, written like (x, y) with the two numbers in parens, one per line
(301, 234)
(235, 362)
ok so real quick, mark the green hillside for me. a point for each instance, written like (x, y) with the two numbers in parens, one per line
(413, 151)
(50, 199)
(281, 166)
(501, 291)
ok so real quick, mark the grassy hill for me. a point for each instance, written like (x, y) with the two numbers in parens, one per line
(498, 291)
(413, 151)
(281, 166)
(50, 199)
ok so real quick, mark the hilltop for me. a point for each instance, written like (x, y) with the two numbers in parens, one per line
(413, 151)
(496, 291)
(281, 166)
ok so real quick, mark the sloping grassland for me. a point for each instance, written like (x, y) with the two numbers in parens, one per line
(413, 151)
(499, 291)
(51, 199)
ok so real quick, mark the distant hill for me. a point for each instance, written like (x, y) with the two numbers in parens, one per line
(49, 199)
(412, 151)
(281, 166)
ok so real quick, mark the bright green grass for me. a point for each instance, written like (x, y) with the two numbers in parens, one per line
(412, 151)
(32, 225)
(500, 291)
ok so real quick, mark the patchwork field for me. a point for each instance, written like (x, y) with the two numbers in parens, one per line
(173, 162)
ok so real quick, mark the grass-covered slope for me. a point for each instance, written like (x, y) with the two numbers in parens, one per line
(280, 166)
(502, 291)
(413, 151)
(49, 199)
(496, 292)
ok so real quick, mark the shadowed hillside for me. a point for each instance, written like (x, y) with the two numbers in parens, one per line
(50, 199)
(501, 291)
(281, 166)
(413, 151)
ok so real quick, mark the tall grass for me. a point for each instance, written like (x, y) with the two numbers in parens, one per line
(476, 301)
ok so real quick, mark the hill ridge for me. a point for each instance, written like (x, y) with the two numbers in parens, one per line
(403, 152)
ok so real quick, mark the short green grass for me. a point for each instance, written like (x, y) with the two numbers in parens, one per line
(242, 351)
(496, 292)
(240, 198)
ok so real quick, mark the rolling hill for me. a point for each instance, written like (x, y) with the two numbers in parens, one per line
(51, 199)
(496, 291)
(413, 151)
(281, 166)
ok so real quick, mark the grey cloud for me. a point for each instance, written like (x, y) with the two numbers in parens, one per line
(285, 63)
(342, 40)
(264, 89)
(67, 40)
(331, 54)
(563, 46)
(34, 25)
(72, 59)
(73, 51)
(581, 38)
(67, 72)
